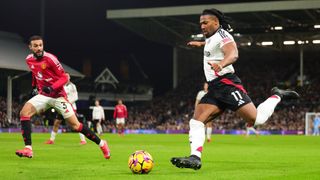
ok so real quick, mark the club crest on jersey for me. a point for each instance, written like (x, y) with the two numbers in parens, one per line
(43, 66)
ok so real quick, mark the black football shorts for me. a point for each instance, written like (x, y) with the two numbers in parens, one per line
(226, 92)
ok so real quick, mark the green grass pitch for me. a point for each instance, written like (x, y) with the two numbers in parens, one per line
(227, 157)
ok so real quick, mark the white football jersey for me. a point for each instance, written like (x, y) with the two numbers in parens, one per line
(72, 93)
(200, 95)
(98, 112)
(213, 53)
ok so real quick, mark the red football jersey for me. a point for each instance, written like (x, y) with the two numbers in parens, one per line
(120, 111)
(47, 71)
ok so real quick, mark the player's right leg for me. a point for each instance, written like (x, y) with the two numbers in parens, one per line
(54, 131)
(26, 113)
(36, 104)
(95, 122)
(196, 136)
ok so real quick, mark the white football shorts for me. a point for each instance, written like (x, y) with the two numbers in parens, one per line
(120, 121)
(60, 104)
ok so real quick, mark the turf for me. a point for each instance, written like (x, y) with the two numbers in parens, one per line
(227, 157)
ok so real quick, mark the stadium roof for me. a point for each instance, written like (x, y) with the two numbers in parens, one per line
(253, 22)
(13, 53)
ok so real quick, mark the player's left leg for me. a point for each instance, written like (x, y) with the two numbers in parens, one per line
(123, 129)
(54, 131)
(209, 131)
(266, 109)
(118, 126)
(99, 128)
(66, 110)
(82, 139)
(79, 127)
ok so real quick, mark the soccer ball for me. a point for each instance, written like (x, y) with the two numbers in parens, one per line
(140, 162)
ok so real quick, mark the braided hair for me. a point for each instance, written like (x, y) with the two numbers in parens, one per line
(223, 20)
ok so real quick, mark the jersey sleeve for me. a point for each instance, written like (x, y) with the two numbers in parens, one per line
(225, 38)
(102, 113)
(34, 81)
(72, 93)
(198, 96)
(76, 97)
(59, 71)
(125, 111)
(115, 112)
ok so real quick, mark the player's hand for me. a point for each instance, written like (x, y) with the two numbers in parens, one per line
(194, 43)
(215, 66)
(47, 89)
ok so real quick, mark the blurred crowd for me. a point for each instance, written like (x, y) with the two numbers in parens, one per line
(16, 107)
(173, 110)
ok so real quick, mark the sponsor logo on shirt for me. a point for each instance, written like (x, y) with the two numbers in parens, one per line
(48, 80)
(39, 75)
(240, 102)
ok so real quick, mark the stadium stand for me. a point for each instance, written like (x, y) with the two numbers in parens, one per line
(173, 110)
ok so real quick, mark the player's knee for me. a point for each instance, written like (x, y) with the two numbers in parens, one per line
(75, 127)
(28, 110)
(73, 122)
(57, 123)
(25, 113)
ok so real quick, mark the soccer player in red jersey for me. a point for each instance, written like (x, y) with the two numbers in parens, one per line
(49, 78)
(120, 113)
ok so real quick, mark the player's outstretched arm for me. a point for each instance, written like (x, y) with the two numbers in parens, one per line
(196, 43)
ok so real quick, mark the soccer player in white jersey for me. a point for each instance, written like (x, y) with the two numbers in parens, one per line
(98, 117)
(198, 99)
(72, 96)
(225, 88)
